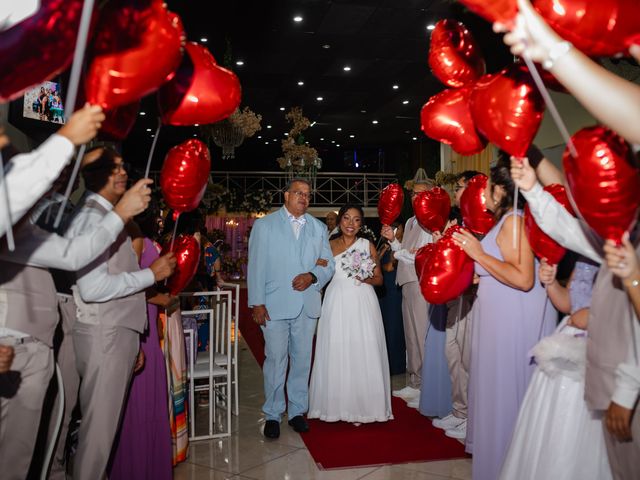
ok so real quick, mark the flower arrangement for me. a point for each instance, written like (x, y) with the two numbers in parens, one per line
(298, 156)
(218, 197)
(357, 264)
(443, 178)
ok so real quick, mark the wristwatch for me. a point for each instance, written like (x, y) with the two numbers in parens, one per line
(314, 279)
(555, 52)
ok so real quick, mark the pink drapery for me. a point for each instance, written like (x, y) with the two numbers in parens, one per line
(235, 231)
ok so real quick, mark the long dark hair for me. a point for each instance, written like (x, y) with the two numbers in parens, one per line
(341, 213)
(500, 175)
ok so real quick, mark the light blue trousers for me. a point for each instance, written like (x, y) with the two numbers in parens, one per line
(287, 342)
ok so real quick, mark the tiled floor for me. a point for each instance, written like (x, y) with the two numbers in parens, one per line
(248, 455)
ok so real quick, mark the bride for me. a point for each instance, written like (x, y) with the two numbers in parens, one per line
(350, 379)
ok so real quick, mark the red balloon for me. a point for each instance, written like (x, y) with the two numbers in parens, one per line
(187, 252)
(201, 91)
(39, 47)
(507, 109)
(473, 206)
(603, 28)
(454, 55)
(493, 10)
(119, 121)
(422, 258)
(184, 175)
(446, 118)
(447, 273)
(541, 244)
(136, 48)
(432, 208)
(604, 181)
(390, 203)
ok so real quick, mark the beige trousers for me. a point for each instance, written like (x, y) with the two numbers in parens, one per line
(624, 457)
(458, 351)
(415, 318)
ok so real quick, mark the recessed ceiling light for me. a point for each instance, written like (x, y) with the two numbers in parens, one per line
(326, 46)
(239, 63)
(333, 141)
(148, 129)
(375, 122)
(286, 134)
(142, 114)
(268, 126)
(312, 124)
(300, 83)
(339, 129)
(395, 87)
(152, 135)
(259, 136)
(363, 111)
(322, 139)
(319, 99)
(404, 102)
(297, 18)
(282, 109)
(414, 138)
(195, 135)
(267, 142)
(430, 27)
(337, 144)
(196, 124)
(204, 39)
(346, 68)
(352, 136)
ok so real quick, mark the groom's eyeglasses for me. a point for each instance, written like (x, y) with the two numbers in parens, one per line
(300, 194)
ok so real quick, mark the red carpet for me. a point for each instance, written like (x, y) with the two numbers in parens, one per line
(409, 437)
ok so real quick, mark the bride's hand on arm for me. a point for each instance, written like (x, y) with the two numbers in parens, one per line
(321, 262)
(376, 280)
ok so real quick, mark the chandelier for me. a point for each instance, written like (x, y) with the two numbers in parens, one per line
(299, 158)
(231, 132)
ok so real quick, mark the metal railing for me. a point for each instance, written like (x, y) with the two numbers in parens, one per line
(329, 188)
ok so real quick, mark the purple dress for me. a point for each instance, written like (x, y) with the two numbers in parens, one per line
(143, 447)
(505, 324)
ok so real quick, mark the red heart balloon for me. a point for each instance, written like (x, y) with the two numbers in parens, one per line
(493, 10)
(184, 175)
(187, 251)
(604, 181)
(201, 91)
(432, 208)
(136, 48)
(390, 203)
(603, 28)
(507, 109)
(446, 118)
(473, 206)
(447, 273)
(541, 244)
(454, 55)
(119, 121)
(39, 47)
(422, 258)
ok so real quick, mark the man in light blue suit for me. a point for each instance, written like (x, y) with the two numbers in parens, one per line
(289, 262)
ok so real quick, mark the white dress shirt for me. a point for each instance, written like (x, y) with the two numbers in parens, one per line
(30, 175)
(13, 12)
(403, 254)
(554, 220)
(94, 282)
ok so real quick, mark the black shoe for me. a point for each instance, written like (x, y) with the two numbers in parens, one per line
(272, 429)
(299, 424)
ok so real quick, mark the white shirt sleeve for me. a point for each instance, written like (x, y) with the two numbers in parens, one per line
(94, 282)
(403, 255)
(628, 373)
(28, 176)
(554, 220)
(39, 248)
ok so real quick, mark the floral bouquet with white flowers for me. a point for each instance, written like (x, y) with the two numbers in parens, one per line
(357, 264)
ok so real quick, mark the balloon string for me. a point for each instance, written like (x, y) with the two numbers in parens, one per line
(11, 245)
(564, 132)
(153, 149)
(173, 236)
(515, 213)
(72, 93)
(67, 192)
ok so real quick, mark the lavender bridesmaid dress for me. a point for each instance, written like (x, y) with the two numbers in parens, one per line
(143, 447)
(505, 324)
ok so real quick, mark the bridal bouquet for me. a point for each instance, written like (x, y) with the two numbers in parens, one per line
(358, 265)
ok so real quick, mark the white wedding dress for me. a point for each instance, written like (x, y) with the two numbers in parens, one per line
(350, 380)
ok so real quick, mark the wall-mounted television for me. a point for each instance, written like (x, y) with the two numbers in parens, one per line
(44, 102)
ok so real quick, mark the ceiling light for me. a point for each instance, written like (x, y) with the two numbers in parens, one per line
(414, 138)
(339, 129)
(337, 144)
(239, 63)
(297, 19)
(143, 114)
(259, 136)
(363, 111)
(333, 141)
(268, 126)
(152, 135)
(319, 99)
(195, 135)
(282, 109)
(300, 83)
(326, 46)
(375, 122)
(395, 87)
(430, 27)
(204, 40)
(148, 129)
(352, 136)
(346, 68)
(404, 102)
(312, 124)
(322, 139)
(267, 142)
(196, 124)
(286, 134)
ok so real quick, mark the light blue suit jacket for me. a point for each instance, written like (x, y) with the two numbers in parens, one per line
(276, 257)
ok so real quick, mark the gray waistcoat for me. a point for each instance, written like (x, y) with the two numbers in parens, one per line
(130, 311)
(410, 240)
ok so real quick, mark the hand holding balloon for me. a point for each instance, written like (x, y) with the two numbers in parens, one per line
(622, 260)
(83, 125)
(547, 272)
(467, 242)
(164, 266)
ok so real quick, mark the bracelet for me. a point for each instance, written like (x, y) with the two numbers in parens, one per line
(557, 51)
(633, 283)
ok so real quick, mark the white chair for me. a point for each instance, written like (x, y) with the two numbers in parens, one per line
(209, 375)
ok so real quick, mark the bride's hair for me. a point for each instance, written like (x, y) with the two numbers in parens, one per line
(341, 213)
